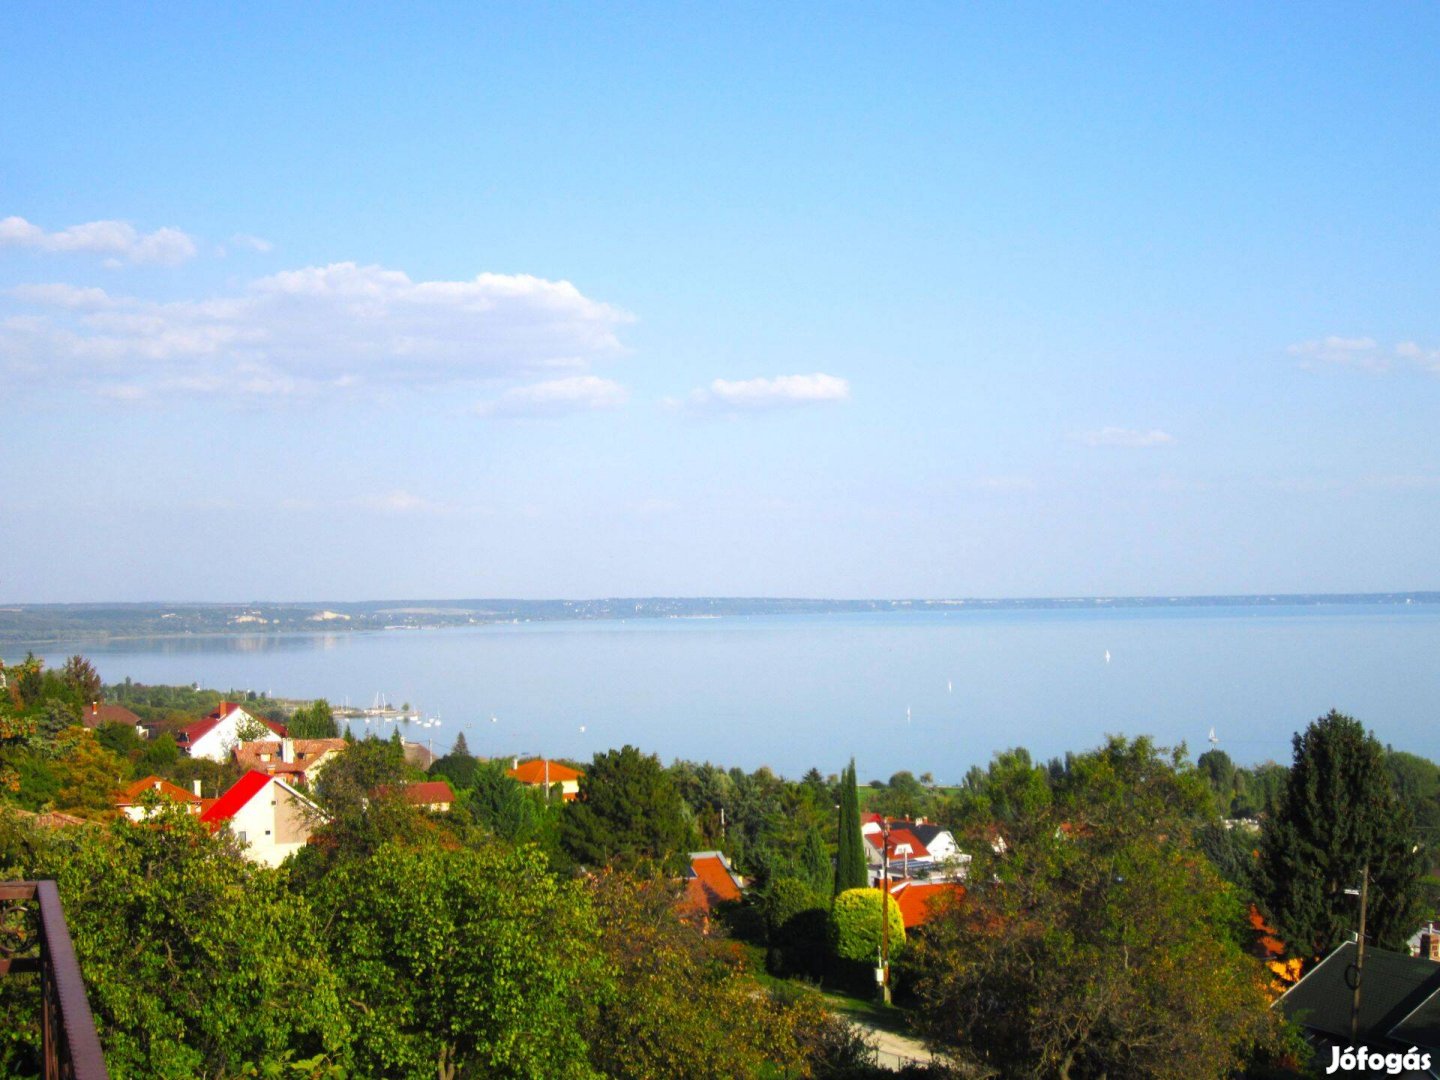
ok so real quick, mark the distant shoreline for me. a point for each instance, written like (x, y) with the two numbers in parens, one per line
(58, 623)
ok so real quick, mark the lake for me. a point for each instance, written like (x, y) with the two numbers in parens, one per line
(925, 691)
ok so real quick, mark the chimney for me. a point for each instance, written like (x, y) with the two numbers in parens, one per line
(196, 785)
(94, 708)
(515, 763)
(287, 750)
(1430, 943)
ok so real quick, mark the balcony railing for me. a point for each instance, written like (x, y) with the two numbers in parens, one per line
(34, 938)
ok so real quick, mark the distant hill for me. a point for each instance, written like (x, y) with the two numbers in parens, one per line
(40, 623)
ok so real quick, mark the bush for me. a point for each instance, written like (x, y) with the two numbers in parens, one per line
(796, 918)
(855, 925)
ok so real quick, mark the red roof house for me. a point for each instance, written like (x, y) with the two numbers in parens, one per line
(128, 799)
(428, 795)
(99, 713)
(918, 900)
(709, 882)
(542, 772)
(268, 816)
(218, 733)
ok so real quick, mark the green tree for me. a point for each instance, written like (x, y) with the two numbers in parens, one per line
(628, 811)
(675, 1003)
(851, 871)
(1336, 816)
(197, 962)
(317, 721)
(461, 963)
(1098, 942)
(88, 773)
(82, 679)
(855, 926)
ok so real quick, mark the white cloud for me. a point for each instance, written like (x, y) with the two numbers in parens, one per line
(1427, 359)
(63, 296)
(312, 330)
(771, 393)
(252, 243)
(1126, 437)
(117, 239)
(395, 502)
(554, 397)
(1364, 354)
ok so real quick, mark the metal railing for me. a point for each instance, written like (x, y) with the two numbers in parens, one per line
(35, 939)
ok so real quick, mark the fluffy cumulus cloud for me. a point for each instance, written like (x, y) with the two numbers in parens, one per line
(118, 241)
(1365, 354)
(1130, 438)
(554, 397)
(307, 331)
(783, 390)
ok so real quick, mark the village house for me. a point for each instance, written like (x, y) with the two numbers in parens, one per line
(915, 849)
(298, 760)
(1399, 1008)
(217, 734)
(269, 817)
(432, 795)
(131, 801)
(709, 882)
(544, 773)
(918, 900)
(100, 713)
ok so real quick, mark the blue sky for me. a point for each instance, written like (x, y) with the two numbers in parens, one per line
(843, 300)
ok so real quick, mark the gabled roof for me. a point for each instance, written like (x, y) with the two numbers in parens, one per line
(918, 900)
(902, 844)
(192, 734)
(710, 881)
(1399, 994)
(535, 772)
(131, 794)
(423, 793)
(307, 753)
(98, 713)
(240, 793)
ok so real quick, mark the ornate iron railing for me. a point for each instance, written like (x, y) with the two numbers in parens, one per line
(34, 938)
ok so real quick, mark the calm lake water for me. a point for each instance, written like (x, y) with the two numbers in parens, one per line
(799, 690)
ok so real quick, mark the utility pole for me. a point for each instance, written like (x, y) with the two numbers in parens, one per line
(884, 910)
(1359, 958)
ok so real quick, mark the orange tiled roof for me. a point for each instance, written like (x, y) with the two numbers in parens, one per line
(918, 900)
(131, 794)
(535, 772)
(711, 882)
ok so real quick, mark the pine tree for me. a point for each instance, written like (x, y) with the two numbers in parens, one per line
(850, 869)
(461, 748)
(1337, 814)
(814, 862)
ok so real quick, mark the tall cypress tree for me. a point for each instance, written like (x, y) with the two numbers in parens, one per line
(850, 870)
(1337, 815)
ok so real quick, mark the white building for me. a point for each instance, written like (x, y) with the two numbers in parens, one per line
(268, 816)
(217, 735)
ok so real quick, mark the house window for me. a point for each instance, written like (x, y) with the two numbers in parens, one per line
(267, 832)
(240, 836)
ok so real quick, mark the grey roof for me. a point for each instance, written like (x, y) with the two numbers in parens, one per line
(1396, 994)
(927, 832)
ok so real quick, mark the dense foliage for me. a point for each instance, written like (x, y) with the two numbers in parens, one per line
(1099, 942)
(1338, 816)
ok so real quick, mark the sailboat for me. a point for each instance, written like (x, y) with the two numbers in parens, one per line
(1107, 656)
(1214, 739)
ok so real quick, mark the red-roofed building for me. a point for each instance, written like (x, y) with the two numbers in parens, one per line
(216, 735)
(916, 849)
(99, 713)
(433, 795)
(268, 816)
(918, 900)
(544, 773)
(710, 882)
(298, 760)
(128, 801)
